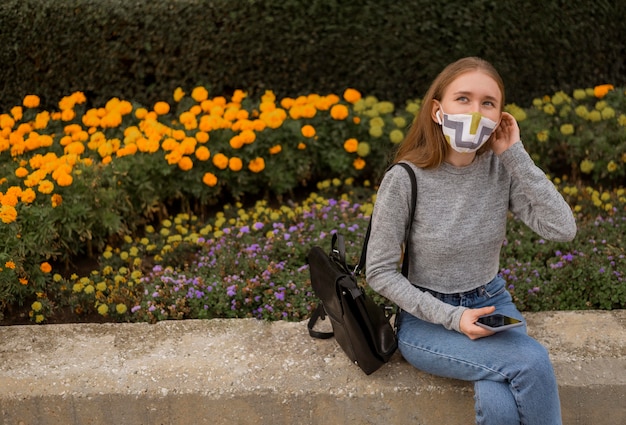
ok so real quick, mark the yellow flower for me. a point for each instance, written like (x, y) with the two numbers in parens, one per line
(567, 129)
(36, 306)
(580, 94)
(582, 111)
(308, 131)
(351, 145)
(45, 267)
(363, 149)
(339, 112)
(103, 309)
(39, 318)
(549, 109)
(601, 90)
(257, 165)
(611, 166)
(209, 179)
(376, 131)
(542, 136)
(586, 166)
(352, 95)
(121, 308)
(594, 116)
(396, 136)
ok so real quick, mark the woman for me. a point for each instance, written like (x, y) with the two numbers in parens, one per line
(471, 169)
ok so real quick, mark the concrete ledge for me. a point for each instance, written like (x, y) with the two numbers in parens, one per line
(251, 372)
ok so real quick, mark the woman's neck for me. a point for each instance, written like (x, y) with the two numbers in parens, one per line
(459, 159)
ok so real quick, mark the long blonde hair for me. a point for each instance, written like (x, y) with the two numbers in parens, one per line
(424, 144)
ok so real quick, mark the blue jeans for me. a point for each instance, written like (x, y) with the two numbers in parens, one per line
(514, 382)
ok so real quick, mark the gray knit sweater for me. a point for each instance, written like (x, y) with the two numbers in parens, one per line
(458, 228)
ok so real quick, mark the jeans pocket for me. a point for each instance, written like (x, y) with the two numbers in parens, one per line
(495, 287)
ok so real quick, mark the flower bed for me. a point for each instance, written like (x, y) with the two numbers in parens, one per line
(137, 188)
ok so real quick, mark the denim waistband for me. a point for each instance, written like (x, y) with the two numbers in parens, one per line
(476, 292)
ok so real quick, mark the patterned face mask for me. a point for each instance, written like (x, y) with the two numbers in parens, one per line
(466, 132)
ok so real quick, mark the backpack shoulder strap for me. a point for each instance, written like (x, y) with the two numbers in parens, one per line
(405, 263)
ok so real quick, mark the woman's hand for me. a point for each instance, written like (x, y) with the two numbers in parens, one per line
(506, 134)
(468, 322)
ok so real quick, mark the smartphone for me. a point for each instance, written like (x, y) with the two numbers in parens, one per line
(498, 322)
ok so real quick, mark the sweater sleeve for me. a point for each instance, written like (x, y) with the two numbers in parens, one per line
(535, 200)
(390, 220)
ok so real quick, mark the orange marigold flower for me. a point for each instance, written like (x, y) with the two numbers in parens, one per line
(202, 136)
(9, 265)
(178, 94)
(275, 149)
(28, 196)
(339, 112)
(21, 172)
(31, 101)
(358, 163)
(199, 94)
(351, 145)
(185, 163)
(352, 95)
(248, 136)
(235, 164)
(308, 131)
(45, 186)
(257, 165)
(17, 112)
(23, 281)
(601, 90)
(64, 179)
(141, 113)
(8, 214)
(236, 142)
(10, 198)
(45, 267)
(161, 108)
(220, 161)
(238, 96)
(209, 179)
(56, 200)
(203, 153)
(301, 146)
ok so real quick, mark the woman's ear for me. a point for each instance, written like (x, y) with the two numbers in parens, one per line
(436, 113)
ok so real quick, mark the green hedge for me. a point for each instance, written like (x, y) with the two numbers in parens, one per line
(144, 49)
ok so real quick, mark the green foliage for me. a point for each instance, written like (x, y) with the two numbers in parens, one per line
(144, 49)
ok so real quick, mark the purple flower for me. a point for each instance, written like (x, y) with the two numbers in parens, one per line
(231, 291)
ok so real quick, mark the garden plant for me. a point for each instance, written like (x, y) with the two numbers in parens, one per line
(205, 207)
